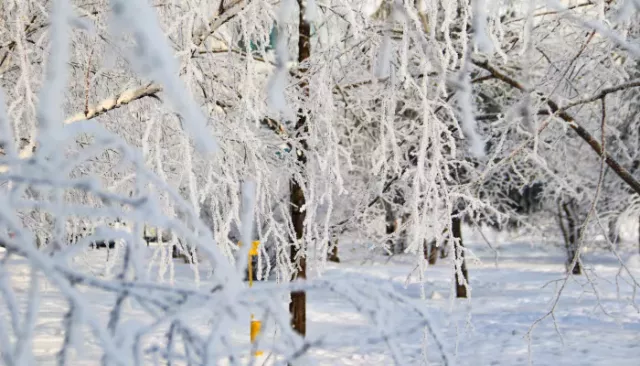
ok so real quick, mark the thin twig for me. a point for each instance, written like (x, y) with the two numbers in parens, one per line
(554, 12)
(581, 131)
(603, 93)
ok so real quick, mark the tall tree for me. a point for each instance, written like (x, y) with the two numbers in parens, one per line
(298, 305)
(461, 275)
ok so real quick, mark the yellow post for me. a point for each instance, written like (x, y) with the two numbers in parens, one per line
(256, 325)
(255, 330)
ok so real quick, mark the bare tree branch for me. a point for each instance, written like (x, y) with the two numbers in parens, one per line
(225, 15)
(150, 90)
(116, 102)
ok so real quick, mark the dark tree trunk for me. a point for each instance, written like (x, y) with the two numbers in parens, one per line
(396, 243)
(181, 251)
(458, 250)
(333, 253)
(571, 235)
(431, 252)
(401, 245)
(563, 229)
(444, 249)
(390, 226)
(298, 305)
(443, 252)
(613, 231)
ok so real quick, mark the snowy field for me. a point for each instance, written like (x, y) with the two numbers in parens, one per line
(490, 329)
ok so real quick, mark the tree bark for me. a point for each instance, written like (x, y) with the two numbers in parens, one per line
(431, 252)
(443, 252)
(333, 253)
(458, 249)
(403, 236)
(563, 229)
(390, 226)
(614, 235)
(572, 236)
(298, 305)
(444, 249)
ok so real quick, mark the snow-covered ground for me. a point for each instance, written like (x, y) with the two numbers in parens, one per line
(489, 329)
(492, 328)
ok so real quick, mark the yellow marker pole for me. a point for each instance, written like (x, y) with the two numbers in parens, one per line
(256, 325)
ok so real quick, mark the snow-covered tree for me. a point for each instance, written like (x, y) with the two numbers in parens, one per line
(293, 122)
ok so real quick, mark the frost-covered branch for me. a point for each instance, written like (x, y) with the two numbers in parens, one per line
(623, 173)
(603, 93)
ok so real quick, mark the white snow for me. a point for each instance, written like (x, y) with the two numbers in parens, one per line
(467, 119)
(481, 36)
(311, 11)
(491, 329)
(633, 262)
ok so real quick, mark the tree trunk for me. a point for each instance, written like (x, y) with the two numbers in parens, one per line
(333, 253)
(403, 237)
(390, 226)
(458, 250)
(298, 305)
(443, 252)
(614, 235)
(431, 252)
(572, 236)
(638, 234)
(444, 249)
(563, 229)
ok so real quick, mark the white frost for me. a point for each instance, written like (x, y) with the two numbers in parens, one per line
(383, 62)
(311, 11)
(469, 125)
(480, 36)
(153, 58)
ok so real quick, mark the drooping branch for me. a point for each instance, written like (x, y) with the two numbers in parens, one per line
(224, 16)
(152, 90)
(116, 102)
(149, 90)
(565, 116)
(8, 47)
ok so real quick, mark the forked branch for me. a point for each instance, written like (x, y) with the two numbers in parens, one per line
(562, 113)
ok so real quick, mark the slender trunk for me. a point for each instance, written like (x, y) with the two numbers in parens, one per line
(298, 305)
(572, 229)
(431, 252)
(563, 229)
(443, 252)
(458, 250)
(613, 231)
(333, 253)
(638, 234)
(390, 226)
(444, 249)
(403, 235)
